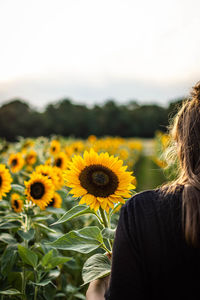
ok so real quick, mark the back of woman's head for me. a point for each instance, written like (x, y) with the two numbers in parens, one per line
(185, 131)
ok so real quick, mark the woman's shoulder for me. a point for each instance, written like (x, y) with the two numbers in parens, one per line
(143, 197)
(155, 199)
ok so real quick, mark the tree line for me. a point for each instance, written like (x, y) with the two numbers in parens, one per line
(65, 118)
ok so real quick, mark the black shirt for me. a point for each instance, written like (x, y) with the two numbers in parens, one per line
(151, 259)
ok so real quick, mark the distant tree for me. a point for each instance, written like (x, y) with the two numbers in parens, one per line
(174, 106)
(65, 118)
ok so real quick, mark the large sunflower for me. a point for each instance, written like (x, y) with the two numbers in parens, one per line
(16, 202)
(16, 162)
(101, 180)
(56, 201)
(39, 189)
(5, 181)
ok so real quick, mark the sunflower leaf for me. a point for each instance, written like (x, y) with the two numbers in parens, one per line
(75, 211)
(58, 260)
(7, 238)
(84, 240)
(9, 225)
(27, 256)
(10, 292)
(108, 233)
(8, 259)
(42, 283)
(46, 258)
(26, 235)
(44, 227)
(97, 266)
(18, 188)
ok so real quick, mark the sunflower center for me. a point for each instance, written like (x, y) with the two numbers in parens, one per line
(14, 162)
(98, 180)
(58, 162)
(52, 202)
(16, 204)
(53, 149)
(0, 181)
(37, 190)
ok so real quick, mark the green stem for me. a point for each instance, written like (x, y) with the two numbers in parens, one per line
(103, 216)
(99, 219)
(36, 290)
(23, 270)
(36, 287)
(105, 248)
(105, 222)
(23, 284)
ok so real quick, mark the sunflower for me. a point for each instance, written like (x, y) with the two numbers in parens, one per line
(31, 157)
(16, 162)
(101, 180)
(5, 181)
(54, 147)
(92, 138)
(39, 189)
(60, 180)
(48, 161)
(61, 161)
(16, 202)
(56, 201)
(49, 172)
(74, 148)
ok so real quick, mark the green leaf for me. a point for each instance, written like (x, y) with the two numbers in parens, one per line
(97, 266)
(13, 217)
(108, 233)
(40, 217)
(84, 240)
(42, 283)
(17, 188)
(79, 296)
(8, 259)
(28, 256)
(55, 210)
(4, 203)
(55, 261)
(72, 213)
(9, 225)
(51, 262)
(45, 227)
(54, 274)
(7, 238)
(46, 258)
(26, 235)
(10, 292)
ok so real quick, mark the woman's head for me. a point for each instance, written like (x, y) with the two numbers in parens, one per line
(185, 132)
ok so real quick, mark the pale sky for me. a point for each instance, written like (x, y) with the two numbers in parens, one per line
(93, 50)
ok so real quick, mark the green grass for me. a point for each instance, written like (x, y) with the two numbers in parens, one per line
(148, 174)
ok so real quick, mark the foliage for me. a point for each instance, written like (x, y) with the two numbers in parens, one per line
(65, 118)
(52, 251)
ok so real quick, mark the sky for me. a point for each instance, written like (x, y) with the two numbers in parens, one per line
(93, 50)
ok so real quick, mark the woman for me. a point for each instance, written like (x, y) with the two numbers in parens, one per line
(156, 251)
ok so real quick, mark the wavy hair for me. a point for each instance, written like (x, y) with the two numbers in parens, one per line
(185, 135)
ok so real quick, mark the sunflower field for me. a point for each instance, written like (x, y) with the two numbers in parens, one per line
(59, 208)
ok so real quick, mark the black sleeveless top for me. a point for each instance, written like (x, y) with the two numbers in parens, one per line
(151, 259)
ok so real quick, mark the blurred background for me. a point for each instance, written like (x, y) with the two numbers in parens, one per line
(104, 68)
